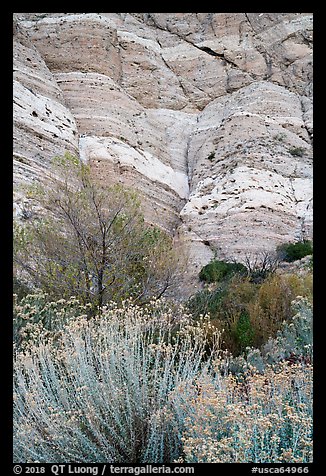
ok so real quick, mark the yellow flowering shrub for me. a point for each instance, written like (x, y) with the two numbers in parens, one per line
(266, 418)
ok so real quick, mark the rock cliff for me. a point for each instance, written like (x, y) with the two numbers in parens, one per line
(208, 115)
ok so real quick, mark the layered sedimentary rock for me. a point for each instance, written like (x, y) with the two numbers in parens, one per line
(207, 115)
(43, 126)
(255, 189)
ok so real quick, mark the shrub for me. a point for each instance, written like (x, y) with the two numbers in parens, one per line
(244, 332)
(293, 343)
(105, 389)
(296, 151)
(206, 301)
(267, 418)
(136, 385)
(216, 271)
(261, 409)
(280, 137)
(267, 305)
(261, 265)
(294, 251)
(35, 315)
(225, 304)
(20, 288)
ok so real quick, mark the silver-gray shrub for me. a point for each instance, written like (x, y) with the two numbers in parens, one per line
(295, 340)
(109, 389)
(36, 313)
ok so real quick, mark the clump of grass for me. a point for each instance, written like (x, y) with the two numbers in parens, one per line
(280, 137)
(296, 151)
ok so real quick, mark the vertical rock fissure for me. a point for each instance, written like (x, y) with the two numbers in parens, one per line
(179, 80)
(187, 161)
(304, 110)
(249, 21)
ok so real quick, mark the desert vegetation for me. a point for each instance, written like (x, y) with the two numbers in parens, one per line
(90, 242)
(250, 310)
(293, 251)
(107, 368)
(147, 384)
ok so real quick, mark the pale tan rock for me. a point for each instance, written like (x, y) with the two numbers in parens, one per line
(43, 127)
(207, 115)
(248, 192)
(77, 42)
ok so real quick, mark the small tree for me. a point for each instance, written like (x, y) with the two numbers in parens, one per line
(91, 242)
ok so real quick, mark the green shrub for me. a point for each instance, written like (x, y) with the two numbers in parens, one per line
(244, 332)
(216, 271)
(206, 301)
(296, 151)
(267, 305)
(292, 343)
(280, 137)
(227, 305)
(294, 251)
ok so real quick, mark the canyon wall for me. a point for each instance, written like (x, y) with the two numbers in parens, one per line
(207, 115)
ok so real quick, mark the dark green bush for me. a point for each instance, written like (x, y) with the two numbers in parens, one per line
(220, 270)
(206, 301)
(296, 151)
(293, 251)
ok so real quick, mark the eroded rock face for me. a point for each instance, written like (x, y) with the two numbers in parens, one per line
(250, 166)
(208, 115)
(43, 126)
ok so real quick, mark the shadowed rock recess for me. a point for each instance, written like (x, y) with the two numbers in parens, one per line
(207, 115)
